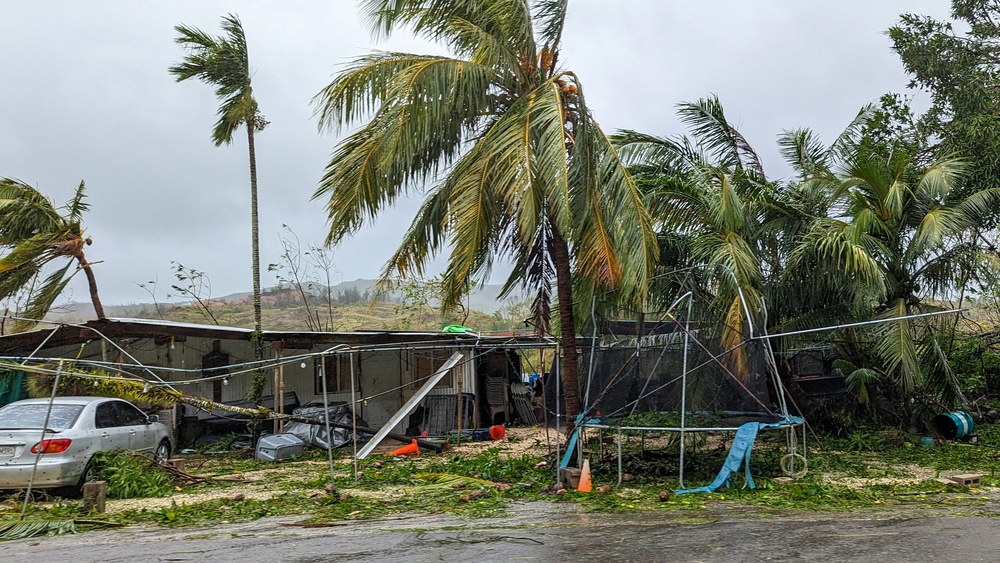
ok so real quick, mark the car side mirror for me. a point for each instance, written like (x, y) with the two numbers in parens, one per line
(152, 418)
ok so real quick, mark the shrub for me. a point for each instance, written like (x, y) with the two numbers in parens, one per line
(131, 476)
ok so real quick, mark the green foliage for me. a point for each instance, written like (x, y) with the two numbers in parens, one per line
(959, 70)
(212, 512)
(976, 365)
(129, 475)
(419, 297)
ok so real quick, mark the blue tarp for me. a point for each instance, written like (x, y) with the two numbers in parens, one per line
(739, 454)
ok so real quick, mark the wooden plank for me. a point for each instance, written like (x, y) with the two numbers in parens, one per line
(94, 494)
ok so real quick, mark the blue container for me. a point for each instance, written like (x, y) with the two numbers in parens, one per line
(953, 425)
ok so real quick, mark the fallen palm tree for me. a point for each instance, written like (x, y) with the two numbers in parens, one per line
(75, 381)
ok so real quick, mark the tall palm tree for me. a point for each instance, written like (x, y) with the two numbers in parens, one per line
(33, 233)
(500, 136)
(224, 63)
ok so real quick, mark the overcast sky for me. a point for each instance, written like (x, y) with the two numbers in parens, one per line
(86, 96)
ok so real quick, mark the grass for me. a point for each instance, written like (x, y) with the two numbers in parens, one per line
(875, 461)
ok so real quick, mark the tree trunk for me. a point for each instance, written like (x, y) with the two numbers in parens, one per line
(92, 283)
(254, 237)
(259, 377)
(567, 325)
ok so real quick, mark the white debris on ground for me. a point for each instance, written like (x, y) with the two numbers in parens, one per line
(260, 483)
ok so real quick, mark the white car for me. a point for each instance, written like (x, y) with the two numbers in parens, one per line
(78, 427)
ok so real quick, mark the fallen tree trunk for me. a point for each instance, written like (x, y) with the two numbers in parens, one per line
(101, 384)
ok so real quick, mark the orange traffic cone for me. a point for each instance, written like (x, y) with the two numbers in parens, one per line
(585, 485)
(411, 448)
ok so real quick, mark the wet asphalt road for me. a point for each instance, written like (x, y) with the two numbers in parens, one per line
(539, 532)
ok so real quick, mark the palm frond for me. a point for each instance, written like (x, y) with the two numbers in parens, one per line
(222, 62)
(616, 247)
(77, 206)
(708, 123)
(449, 480)
(41, 301)
(34, 528)
(858, 381)
(450, 23)
(25, 212)
(416, 132)
(803, 150)
(35, 249)
(897, 349)
(551, 17)
(844, 147)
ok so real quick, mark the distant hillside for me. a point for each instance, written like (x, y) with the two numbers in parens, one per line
(283, 309)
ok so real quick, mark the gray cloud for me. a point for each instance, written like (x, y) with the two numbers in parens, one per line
(87, 96)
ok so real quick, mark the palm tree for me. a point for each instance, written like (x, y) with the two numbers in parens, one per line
(894, 228)
(34, 233)
(712, 204)
(224, 63)
(514, 164)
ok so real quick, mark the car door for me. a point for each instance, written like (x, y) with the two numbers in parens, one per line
(133, 419)
(107, 421)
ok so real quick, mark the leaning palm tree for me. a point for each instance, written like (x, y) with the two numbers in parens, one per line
(224, 63)
(33, 233)
(513, 163)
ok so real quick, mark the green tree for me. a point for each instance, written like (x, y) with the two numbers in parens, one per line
(961, 71)
(225, 63)
(895, 227)
(711, 202)
(33, 233)
(501, 138)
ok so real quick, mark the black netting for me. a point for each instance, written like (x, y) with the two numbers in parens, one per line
(648, 377)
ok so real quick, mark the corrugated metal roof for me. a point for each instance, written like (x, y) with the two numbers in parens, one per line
(152, 328)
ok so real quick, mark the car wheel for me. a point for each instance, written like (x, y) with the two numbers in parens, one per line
(162, 453)
(76, 491)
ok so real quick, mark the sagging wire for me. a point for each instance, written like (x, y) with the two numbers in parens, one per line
(248, 367)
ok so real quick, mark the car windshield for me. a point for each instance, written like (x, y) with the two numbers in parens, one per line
(19, 417)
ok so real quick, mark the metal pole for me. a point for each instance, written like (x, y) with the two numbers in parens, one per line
(458, 408)
(545, 406)
(773, 365)
(329, 438)
(619, 456)
(354, 421)
(593, 346)
(280, 396)
(684, 369)
(558, 380)
(862, 323)
(274, 392)
(41, 445)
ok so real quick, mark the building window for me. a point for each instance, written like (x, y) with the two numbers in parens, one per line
(427, 362)
(338, 374)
